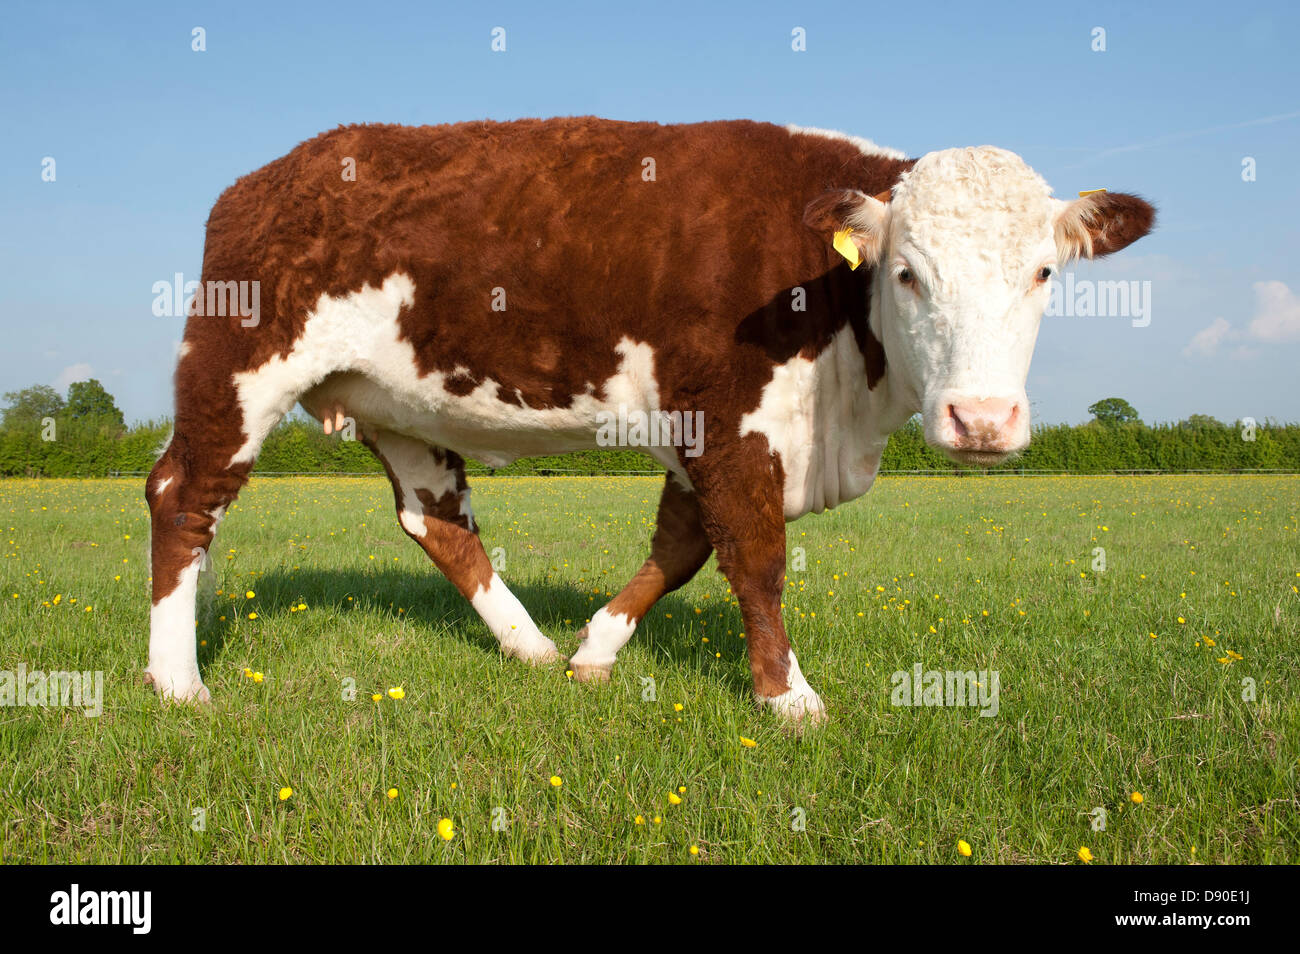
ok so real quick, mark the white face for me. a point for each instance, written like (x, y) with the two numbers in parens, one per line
(964, 252)
(961, 288)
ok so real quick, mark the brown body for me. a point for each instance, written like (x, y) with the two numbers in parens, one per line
(698, 260)
(479, 289)
(698, 263)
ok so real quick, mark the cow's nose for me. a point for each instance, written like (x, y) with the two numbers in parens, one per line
(988, 424)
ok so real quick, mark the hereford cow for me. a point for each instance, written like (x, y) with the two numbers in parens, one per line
(495, 290)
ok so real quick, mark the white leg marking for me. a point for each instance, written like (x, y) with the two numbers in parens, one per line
(416, 469)
(511, 624)
(412, 520)
(607, 633)
(800, 702)
(173, 651)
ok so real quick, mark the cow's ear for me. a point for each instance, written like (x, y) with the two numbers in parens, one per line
(862, 217)
(1101, 223)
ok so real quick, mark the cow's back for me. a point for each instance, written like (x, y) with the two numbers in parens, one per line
(533, 248)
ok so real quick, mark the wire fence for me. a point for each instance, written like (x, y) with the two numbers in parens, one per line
(972, 474)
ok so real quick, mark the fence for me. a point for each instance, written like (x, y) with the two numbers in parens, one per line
(973, 473)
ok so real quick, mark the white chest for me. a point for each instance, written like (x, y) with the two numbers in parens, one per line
(817, 416)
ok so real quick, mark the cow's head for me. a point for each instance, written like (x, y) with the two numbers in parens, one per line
(963, 253)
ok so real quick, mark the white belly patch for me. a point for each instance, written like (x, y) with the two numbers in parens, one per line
(351, 352)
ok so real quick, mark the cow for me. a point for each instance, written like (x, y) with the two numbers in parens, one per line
(492, 290)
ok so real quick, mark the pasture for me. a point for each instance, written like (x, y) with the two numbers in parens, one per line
(1115, 681)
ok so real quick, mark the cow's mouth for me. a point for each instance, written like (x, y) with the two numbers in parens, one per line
(978, 432)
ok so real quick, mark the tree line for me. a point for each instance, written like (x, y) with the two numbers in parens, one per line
(44, 434)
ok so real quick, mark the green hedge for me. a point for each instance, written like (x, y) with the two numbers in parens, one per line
(89, 449)
(1097, 449)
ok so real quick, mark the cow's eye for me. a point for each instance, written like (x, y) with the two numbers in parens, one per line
(1045, 273)
(905, 276)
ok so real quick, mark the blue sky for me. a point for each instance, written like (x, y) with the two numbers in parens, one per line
(146, 132)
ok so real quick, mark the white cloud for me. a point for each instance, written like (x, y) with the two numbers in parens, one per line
(1277, 313)
(1277, 318)
(1206, 341)
(73, 373)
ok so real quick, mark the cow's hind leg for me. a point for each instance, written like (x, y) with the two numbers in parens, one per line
(433, 508)
(677, 552)
(188, 491)
(216, 437)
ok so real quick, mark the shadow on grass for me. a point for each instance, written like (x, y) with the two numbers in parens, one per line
(429, 599)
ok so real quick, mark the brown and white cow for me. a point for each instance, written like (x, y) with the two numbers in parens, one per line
(648, 268)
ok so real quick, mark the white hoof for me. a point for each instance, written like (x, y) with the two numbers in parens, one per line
(537, 651)
(588, 673)
(179, 688)
(800, 705)
(598, 645)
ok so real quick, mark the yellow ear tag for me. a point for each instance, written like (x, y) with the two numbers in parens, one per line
(844, 245)
(1090, 192)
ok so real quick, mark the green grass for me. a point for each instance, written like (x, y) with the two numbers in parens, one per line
(1092, 708)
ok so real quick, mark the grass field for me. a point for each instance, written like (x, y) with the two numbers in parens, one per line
(1112, 682)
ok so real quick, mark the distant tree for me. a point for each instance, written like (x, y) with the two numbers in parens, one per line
(88, 401)
(1111, 411)
(27, 408)
(1197, 421)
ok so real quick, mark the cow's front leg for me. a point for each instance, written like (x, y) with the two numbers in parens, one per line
(677, 552)
(744, 518)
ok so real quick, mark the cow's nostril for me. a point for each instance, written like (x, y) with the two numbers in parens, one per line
(957, 423)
